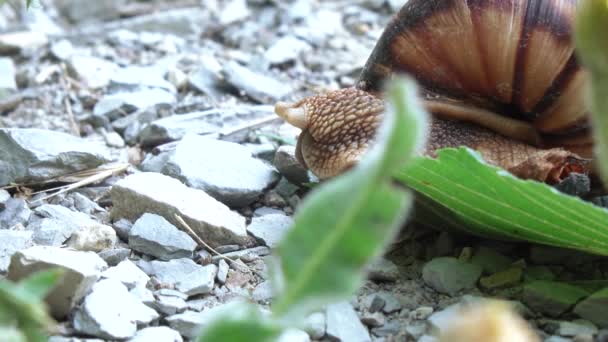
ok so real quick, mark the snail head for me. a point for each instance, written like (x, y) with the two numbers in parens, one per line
(337, 128)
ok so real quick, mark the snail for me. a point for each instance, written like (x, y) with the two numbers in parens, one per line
(499, 76)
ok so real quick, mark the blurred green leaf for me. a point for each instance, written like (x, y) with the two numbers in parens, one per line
(39, 284)
(238, 322)
(22, 305)
(345, 222)
(484, 200)
(591, 31)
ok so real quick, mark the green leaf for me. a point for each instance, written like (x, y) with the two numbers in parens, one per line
(460, 188)
(40, 283)
(345, 222)
(22, 306)
(238, 322)
(592, 48)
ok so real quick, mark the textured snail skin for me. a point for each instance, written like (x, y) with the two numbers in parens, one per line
(499, 76)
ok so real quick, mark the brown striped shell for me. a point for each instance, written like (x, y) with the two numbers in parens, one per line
(515, 58)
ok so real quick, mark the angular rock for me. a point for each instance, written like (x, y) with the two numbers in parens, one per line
(139, 77)
(111, 312)
(20, 41)
(128, 274)
(233, 11)
(285, 161)
(8, 85)
(315, 325)
(593, 308)
(270, 228)
(571, 329)
(76, 13)
(115, 105)
(115, 256)
(259, 87)
(222, 271)
(12, 241)
(551, 298)
(211, 220)
(5, 196)
(62, 49)
(157, 334)
(175, 127)
(16, 211)
(183, 274)
(224, 170)
(293, 335)
(182, 22)
(506, 278)
(441, 320)
(286, 49)
(153, 235)
(382, 269)
(344, 324)
(50, 232)
(82, 269)
(31, 155)
(169, 305)
(450, 275)
(84, 233)
(93, 72)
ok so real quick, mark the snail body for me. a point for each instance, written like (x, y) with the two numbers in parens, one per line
(499, 76)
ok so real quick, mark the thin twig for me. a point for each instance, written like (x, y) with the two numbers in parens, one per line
(191, 231)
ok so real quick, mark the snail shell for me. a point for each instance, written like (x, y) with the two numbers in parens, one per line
(508, 66)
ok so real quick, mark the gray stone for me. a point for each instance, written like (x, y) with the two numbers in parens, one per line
(382, 269)
(293, 335)
(183, 21)
(184, 274)
(95, 238)
(128, 274)
(315, 325)
(270, 228)
(450, 275)
(200, 281)
(422, 312)
(286, 49)
(263, 292)
(62, 49)
(85, 233)
(175, 127)
(92, 72)
(392, 304)
(76, 13)
(259, 87)
(21, 41)
(82, 269)
(343, 323)
(246, 255)
(416, 330)
(133, 196)
(224, 170)
(15, 212)
(8, 85)
(157, 334)
(261, 211)
(116, 105)
(372, 320)
(111, 312)
(113, 139)
(374, 303)
(144, 78)
(593, 308)
(11, 242)
(552, 298)
(50, 232)
(233, 11)
(115, 255)
(206, 78)
(32, 155)
(122, 227)
(169, 305)
(222, 271)
(285, 161)
(391, 328)
(4, 197)
(153, 235)
(571, 329)
(143, 294)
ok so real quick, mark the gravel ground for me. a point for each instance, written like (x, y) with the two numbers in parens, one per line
(172, 102)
